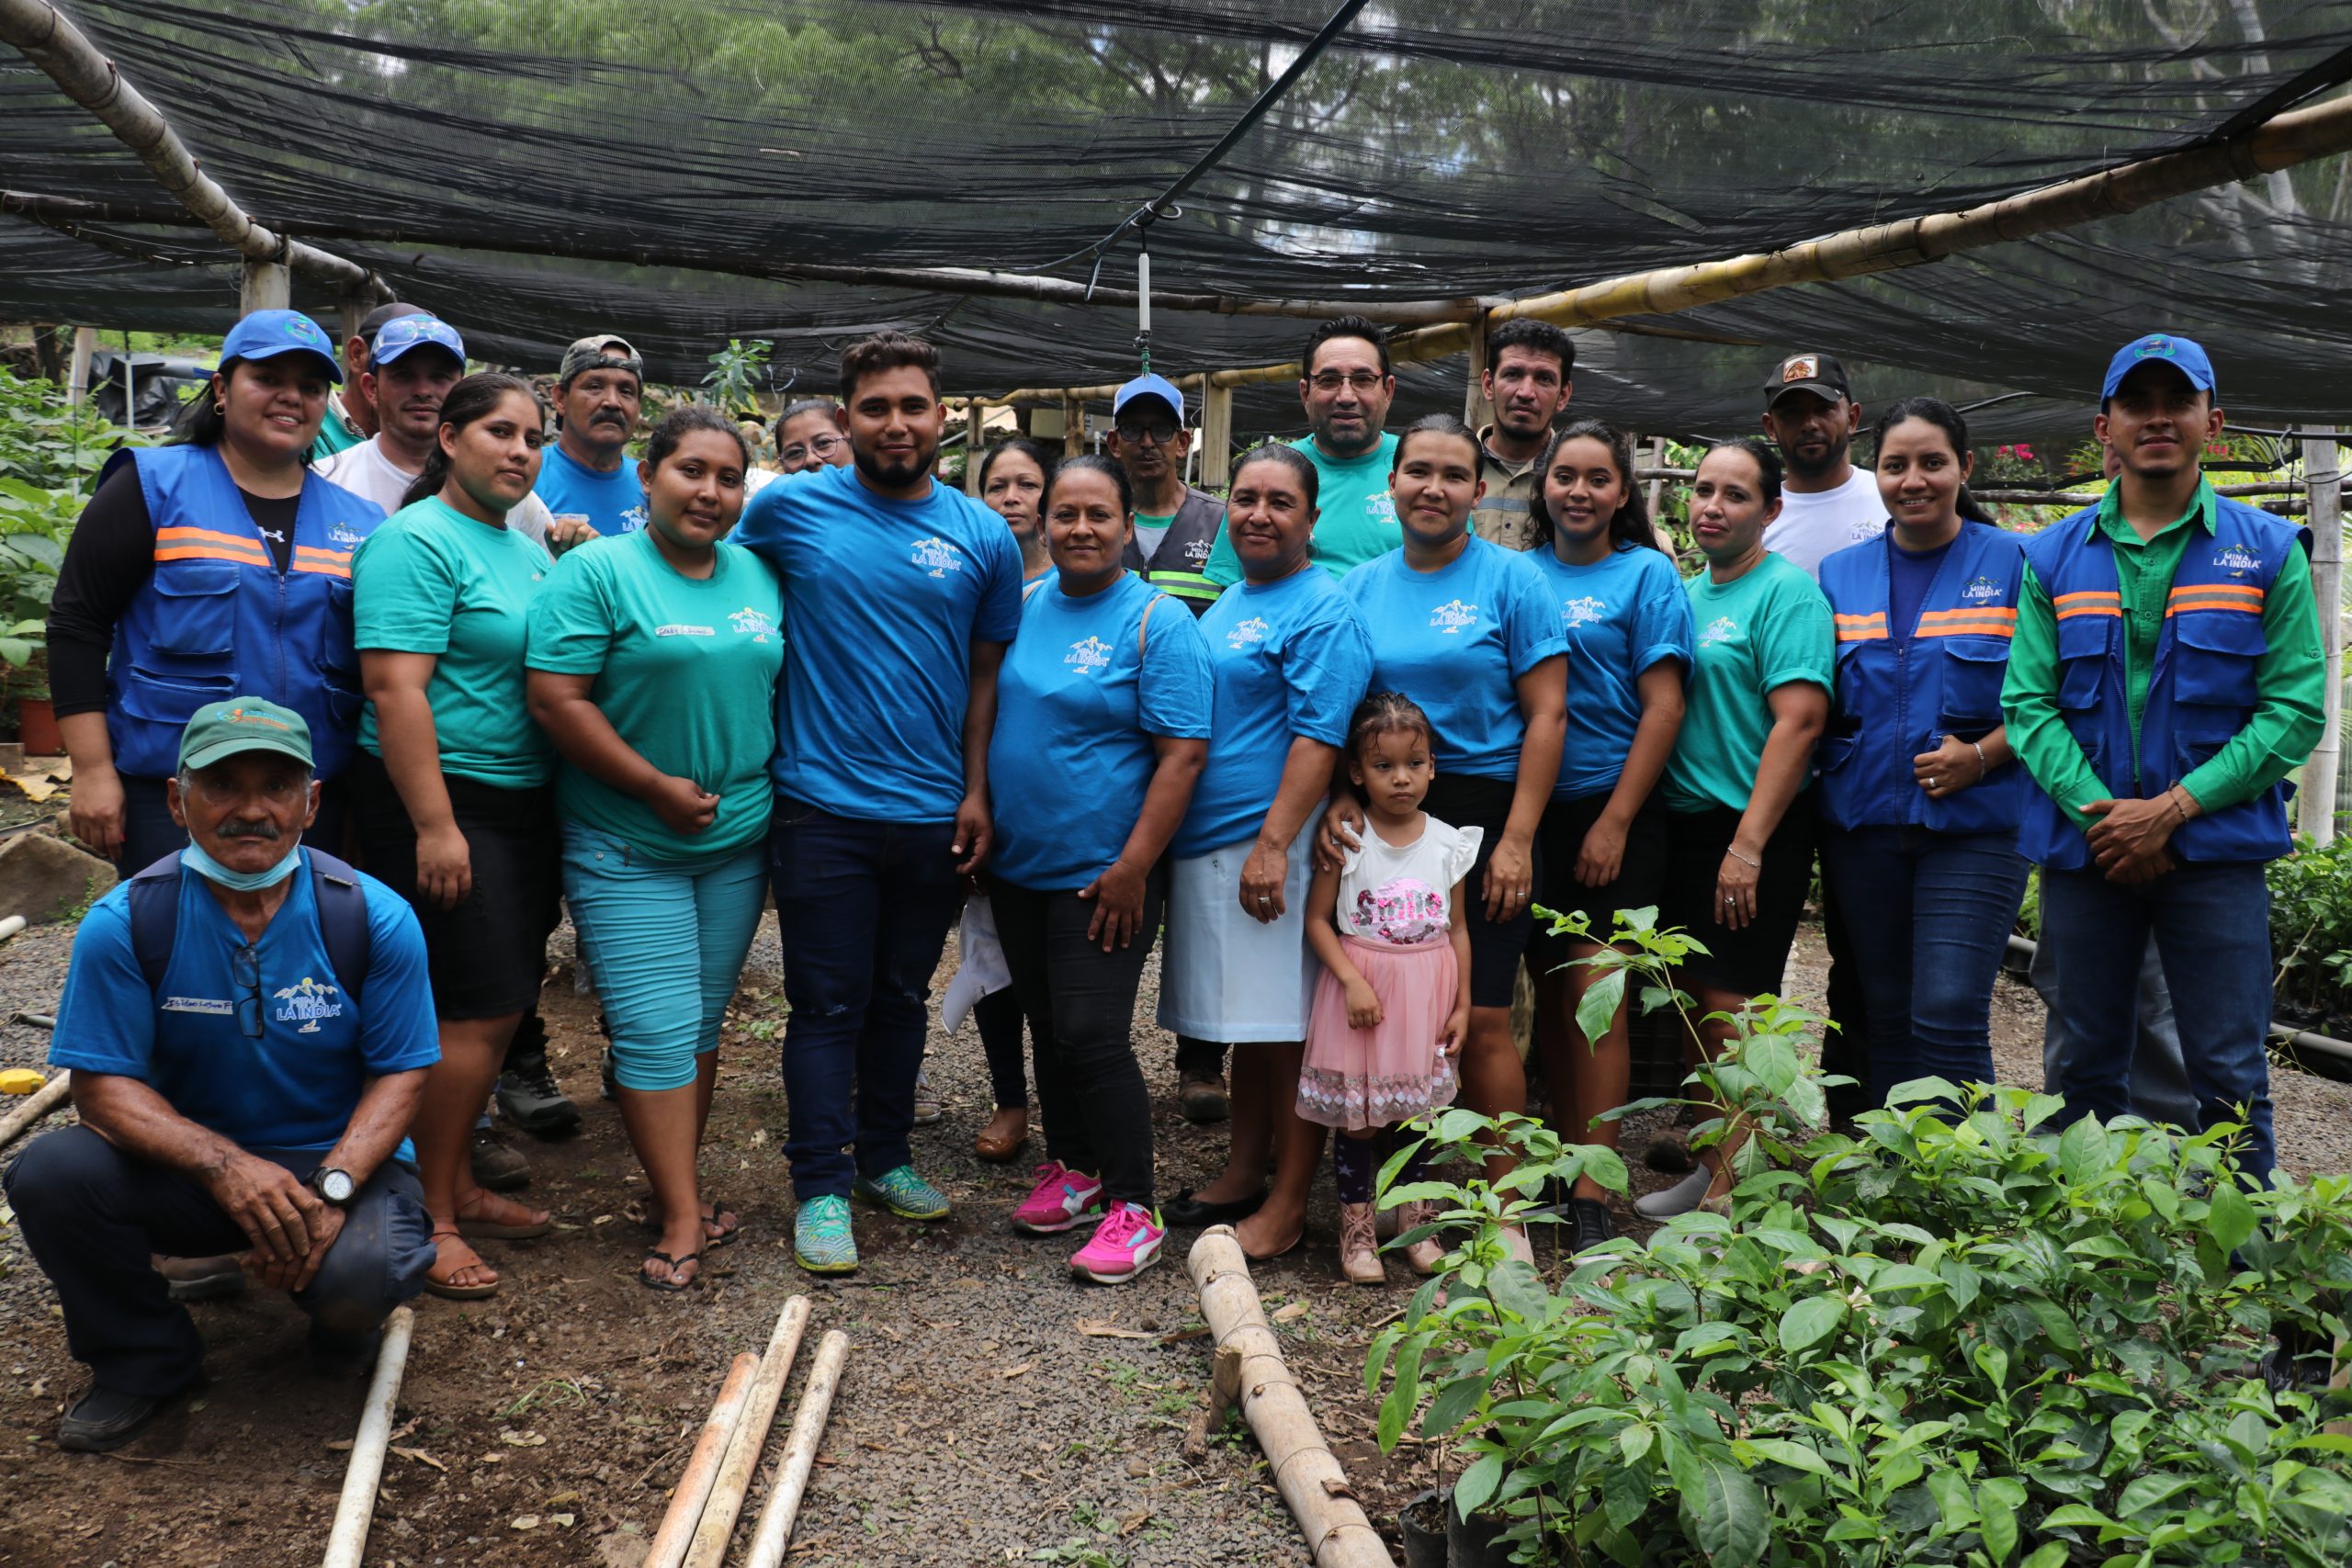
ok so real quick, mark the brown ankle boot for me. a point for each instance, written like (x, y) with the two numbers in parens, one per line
(1358, 1248)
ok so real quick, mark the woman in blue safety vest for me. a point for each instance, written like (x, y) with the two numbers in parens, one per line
(212, 568)
(1920, 790)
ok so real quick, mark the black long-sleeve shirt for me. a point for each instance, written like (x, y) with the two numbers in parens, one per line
(108, 560)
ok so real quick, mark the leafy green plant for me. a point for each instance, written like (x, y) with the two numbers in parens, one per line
(739, 372)
(2311, 930)
(50, 456)
(1975, 1335)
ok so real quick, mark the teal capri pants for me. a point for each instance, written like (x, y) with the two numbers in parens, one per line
(660, 937)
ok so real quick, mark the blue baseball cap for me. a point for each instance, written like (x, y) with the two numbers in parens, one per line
(401, 333)
(265, 335)
(1149, 385)
(2184, 355)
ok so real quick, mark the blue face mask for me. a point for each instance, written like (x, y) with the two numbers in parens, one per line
(204, 866)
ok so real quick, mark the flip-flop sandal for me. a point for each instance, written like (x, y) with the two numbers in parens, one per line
(646, 1217)
(457, 1293)
(492, 1230)
(674, 1264)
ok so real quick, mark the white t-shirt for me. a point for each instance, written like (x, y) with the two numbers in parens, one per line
(1811, 527)
(1396, 895)
(364, 470)
(1148, 539)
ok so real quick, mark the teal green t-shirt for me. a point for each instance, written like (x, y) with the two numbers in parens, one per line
(1759, 632)
(431, 580)
(685, 671)
(1355, 521)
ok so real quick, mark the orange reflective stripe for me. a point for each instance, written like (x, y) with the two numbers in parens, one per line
(1987, 614)
(2089, 595)
(327, 563)
(1969, 629)
(2219, 590)
(1861, 634)
(185, 543)
(208, 552)
(2113, 611)
(2180, 605)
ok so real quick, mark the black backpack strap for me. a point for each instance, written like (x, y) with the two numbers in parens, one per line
(156, 916)
(343, 920)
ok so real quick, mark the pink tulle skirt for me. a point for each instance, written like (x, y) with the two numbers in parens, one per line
(1355, 1078)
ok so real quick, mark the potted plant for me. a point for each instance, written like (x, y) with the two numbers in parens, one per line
(1977, 1334)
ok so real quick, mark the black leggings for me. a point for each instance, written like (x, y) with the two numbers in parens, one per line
(1081, 1003)
(1000, 1018)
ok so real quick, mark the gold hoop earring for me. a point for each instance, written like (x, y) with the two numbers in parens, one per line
(221, 408)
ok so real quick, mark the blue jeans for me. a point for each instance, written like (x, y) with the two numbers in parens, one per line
(2160, 1090)
(864, 909)
(657, 933)
(2211, 924)
(1928, 917)
(93, 1214)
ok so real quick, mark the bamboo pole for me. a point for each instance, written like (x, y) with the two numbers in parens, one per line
(774, 1534)
(263, 285)
(670, 1543)
(1309, 1477)
(975, 418)
(77, 378)
(63, 52)
(45, 1098)
(356, 1509)
(1476, 410)
(1216, 436)
(2322, 473)
(709, 1549)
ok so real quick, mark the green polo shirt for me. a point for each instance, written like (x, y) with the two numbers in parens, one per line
(2291, 679)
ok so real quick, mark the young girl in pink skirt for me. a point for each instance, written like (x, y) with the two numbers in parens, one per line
(1391, 1008)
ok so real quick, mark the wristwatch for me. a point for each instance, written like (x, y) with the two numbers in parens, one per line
(334, 1185)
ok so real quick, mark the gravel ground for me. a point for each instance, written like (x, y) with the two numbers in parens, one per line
(991, 1410)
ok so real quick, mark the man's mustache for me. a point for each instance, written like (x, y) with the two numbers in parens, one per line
(609, 416)
(262, 829)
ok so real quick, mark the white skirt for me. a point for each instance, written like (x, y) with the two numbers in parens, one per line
(1225, 977)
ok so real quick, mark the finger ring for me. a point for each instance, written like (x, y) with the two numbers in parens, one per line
(1730, 898)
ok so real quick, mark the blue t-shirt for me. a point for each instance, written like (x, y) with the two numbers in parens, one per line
(1290, 660)
(1621, 615)
(882, 603)
(1454, 640)
(1080, 697)
(610, 503)
(297, 1085)
(1909, 576)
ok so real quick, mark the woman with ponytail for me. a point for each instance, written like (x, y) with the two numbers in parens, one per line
(451, 794)
(1921, 796)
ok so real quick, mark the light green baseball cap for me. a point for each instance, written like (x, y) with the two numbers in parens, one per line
(242, 724)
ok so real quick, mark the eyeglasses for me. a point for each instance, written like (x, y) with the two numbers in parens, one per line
(1331, 381)
(822, 446)
(1161, 431)
(245, 970)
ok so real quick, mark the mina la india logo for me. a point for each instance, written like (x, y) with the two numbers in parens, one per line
(937, 557)
(1452, 615)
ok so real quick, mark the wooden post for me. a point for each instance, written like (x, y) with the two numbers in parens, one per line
(77, 375)
(2323, 481)
(1216, 436)
(708, 1548)
(1476, 410)
(357, 1509)
(1073, 427)
(45, 1098)
(975, 418)
(773, 1535)
(677, 1531)
(267, 286)
(353, 312)
(1309, 1477)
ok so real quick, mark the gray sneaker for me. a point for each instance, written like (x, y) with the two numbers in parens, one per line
(529, 1097)
(927, 1107)
(497, 1164)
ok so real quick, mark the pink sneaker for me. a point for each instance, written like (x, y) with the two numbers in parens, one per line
(1060, 1200)
(1126, 1244)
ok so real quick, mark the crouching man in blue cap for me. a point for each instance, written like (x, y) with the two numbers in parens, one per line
(248, 1024)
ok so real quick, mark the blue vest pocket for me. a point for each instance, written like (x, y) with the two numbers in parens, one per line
(2213, 656)
(198, 616)
(170, 699)
(1973, 668)
(2083, 648)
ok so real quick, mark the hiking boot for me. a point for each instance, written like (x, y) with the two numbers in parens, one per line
(201, 1278)
(904, 1193)
(1126, 1243)
(1588, 1225)
(529, 1097)
(1201, 1097)
(1061, 1201)
(1425, 1254)
(822, 1241)
(104, 1418)
(1358, 1248)
(498, 1165)
(927, 1107)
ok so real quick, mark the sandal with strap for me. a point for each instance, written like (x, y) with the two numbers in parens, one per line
(646, 1214)
(674, 1264)
(476, 1227)
(443, 1287)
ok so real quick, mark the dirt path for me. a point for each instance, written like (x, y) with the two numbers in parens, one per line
(991, 1410)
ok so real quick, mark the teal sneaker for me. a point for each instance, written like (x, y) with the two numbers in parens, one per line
(822, 1241)
(904, 1193)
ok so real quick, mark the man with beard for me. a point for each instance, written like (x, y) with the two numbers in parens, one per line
(412, 364)
(351, 418)
(1526, 381)
(1346, 389)
(588, 485)
(899, 597)
(1175, 525)
(1826, 504)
